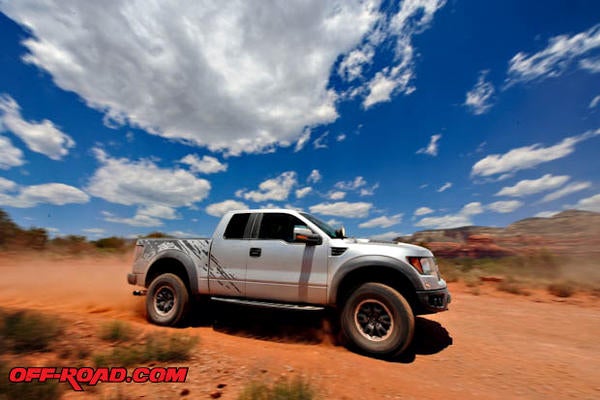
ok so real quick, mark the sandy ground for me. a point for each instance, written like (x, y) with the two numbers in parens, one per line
(488, 346)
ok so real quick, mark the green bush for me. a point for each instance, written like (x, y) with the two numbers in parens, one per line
(116, 331)
(561, 289)
(110, 243)
(297, 389)
(156, 347)
(28, 331)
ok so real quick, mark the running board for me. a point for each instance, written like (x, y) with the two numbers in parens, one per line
(267, 304)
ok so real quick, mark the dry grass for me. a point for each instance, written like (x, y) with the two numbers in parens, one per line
(28, 331)
(297, 389)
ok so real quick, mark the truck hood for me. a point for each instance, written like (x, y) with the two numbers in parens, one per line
(368, 246)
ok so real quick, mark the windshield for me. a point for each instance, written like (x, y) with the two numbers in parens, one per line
(322, 225)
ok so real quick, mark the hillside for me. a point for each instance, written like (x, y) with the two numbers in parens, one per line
(570, 232)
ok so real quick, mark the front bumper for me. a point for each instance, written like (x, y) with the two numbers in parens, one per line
(432, 301)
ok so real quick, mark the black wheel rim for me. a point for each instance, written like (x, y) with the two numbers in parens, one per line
(164, 300)
(373, 320)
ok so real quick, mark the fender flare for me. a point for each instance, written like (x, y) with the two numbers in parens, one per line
(184, 259)
(372, 261)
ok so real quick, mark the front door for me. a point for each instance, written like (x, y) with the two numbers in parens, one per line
(280, 269)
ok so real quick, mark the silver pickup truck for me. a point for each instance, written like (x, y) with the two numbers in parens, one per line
(290, 259)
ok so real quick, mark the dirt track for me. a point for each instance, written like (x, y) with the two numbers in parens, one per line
(491, 346)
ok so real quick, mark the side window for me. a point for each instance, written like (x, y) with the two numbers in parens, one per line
(237, 226)
(278, 226)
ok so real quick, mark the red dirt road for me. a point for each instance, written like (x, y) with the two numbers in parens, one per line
(491, 346)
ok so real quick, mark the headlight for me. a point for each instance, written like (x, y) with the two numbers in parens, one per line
(425, 265)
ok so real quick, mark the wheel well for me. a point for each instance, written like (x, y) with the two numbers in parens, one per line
(168, 265)
(385, 275)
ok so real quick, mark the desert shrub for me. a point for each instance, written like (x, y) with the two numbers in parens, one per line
(561, 289)
(28, 331)
(510, 285)
(72, 244)
(110, 243)
(116, 331)
(156, 235)
(156, 347)
(297, 389)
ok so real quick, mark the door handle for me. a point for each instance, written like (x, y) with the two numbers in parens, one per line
(255, 252)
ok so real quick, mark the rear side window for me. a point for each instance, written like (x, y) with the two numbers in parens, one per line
(237, 226)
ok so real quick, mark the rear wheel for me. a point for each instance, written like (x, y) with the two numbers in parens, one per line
(378, 320)
(167, 300)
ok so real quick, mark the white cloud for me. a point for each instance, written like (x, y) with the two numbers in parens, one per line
(462, 218)
(423, 211)
(412, 18)
(567, 190)
(386, 236)
(528, 187)
(94, 231)
(589, 203)
(302, 140)
(239, 76)
(504, 207)
(42, 137)
(303, 192)
(445, 187)
(314, 177)
(595, 101)
(368, 191)
(478, 99)
(552, 61)
(352, 65)
(320, 142)
(11, 155)
(220, 209)
(341, 137)
(142, 182)
(432, 147)
(334, 222)
(137, 220)
(206, 165)
(382, 222)
(590, 64)
(158, 211)
(546, 214)
(357, 183)
(336, 195)
(272, 189)
(528, 156)
(14, 195)
(343, 209)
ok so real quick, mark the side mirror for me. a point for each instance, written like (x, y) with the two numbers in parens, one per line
(340, 233)
(305, 235)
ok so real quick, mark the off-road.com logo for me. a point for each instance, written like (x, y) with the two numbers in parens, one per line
(92, 376)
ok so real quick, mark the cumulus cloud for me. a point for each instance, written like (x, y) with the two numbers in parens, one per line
(528, 156)
(238, 77)
(432, 147)
(504, 207)
(567, 190)
(320, 142)
(590, 64)
(561, 52)
(205, 165)
(142, 182)
(220, 209)
(546, 214)
(423, 211)
(589, 203)
(302, 140)
(445, 187)
(11, 155)
(382, 222)
(528, 187)
(314, 177)
(42, 137)
(59, 194)
(303, 192)
(355, 184)
(272, 189)
(336, 195)
(342, 209)
(595, 101)
(462, 218)
(479, 99)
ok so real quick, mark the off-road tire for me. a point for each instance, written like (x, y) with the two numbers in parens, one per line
(377, 320)
(167, 300)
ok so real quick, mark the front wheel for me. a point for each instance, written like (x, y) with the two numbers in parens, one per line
(167, 300)
(378, 320)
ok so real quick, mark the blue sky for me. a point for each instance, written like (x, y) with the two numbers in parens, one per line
(121, 118)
